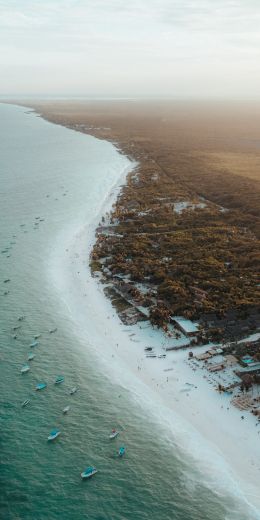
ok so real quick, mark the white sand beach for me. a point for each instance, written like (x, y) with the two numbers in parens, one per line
(190, 412)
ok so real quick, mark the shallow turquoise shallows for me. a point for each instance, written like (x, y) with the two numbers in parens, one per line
(50, 179)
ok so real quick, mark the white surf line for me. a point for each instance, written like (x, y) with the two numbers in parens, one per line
(197, 421)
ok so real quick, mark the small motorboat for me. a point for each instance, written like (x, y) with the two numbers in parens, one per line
(53, 330)
(15, 336)
(58, 380)
(53, 435)
(34, 344)
(73, 390)
(31, 356)
(21, 318)
(27, 401)
(25, 369)
(7, 280)
(113, 434)
(41, 386)
(89, 472)
(17, 327)
(148, 349)
(37, 336)
(121, 451)
(66, 409)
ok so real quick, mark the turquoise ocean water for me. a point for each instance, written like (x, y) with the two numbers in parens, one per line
(51, 177)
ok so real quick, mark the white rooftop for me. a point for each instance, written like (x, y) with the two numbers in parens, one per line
(187, 325)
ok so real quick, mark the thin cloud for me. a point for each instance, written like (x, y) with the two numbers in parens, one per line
(167, 45)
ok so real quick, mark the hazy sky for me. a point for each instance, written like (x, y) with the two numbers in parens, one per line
(130, 48)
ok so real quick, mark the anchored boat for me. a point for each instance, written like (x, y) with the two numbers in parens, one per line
(121, 451)
(25, 403)
(89, 472)
(31, 356)
(73, 390)
(25, 369)
(66, 409)
(34, 344)
(41, 386)
(113, 434)
(53, 435)
(58, 380)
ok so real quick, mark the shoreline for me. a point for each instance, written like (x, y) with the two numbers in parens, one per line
(120, 354)
(163, 393)
(158, 227)
(184, 413)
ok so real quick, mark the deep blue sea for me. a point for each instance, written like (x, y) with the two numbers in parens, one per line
(52, 177)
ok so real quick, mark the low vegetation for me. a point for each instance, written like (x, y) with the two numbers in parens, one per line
(199, 255)
(184, 233)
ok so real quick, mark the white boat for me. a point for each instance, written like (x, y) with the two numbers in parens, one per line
(66, 409)
(34, 344)
(31, 356)
(51, 331)
(89, 472)
(73, 390)
(25, 369)
(37, 336)
(53, 435)
(113, 434)
(25, 403)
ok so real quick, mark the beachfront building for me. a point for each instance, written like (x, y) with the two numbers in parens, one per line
(187, 327)
(252, 369)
